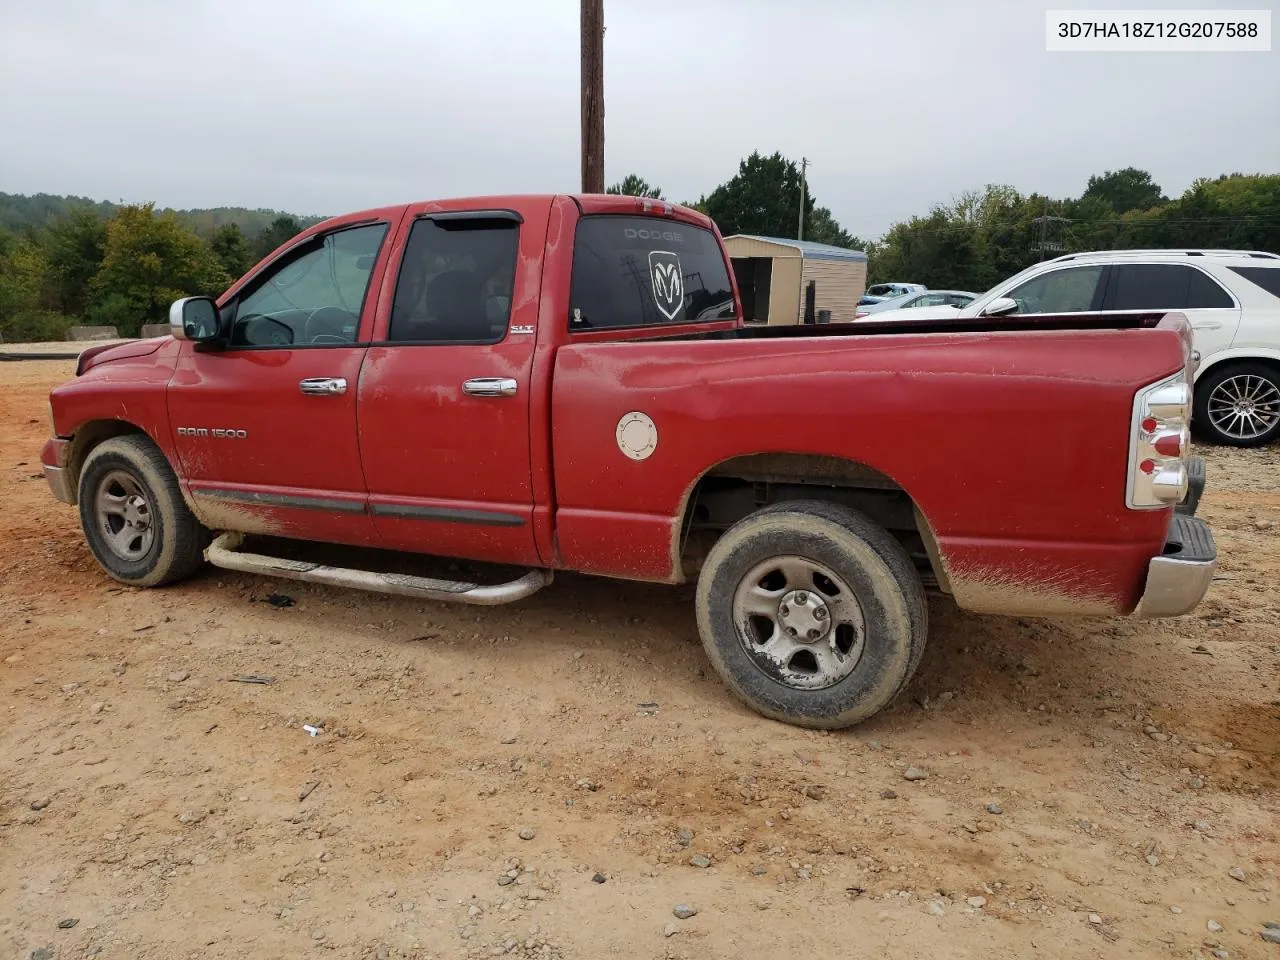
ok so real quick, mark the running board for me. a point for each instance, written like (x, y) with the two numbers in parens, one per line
(224, 553)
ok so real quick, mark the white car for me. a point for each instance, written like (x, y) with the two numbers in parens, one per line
(1231, 297)
(909, 301)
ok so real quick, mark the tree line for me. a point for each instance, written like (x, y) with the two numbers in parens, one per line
(985, 236)
(68, 260)
(65, 261)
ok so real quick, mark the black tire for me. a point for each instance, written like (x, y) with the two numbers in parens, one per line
(878, 574)
(1264, 378)
(131, 475)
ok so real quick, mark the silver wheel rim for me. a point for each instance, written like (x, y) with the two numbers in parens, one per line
(125, 516)
(1244, 407)
(799, 622)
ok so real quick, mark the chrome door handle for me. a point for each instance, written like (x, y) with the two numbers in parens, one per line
(323, 386)
(489, 387)
(1207, 325)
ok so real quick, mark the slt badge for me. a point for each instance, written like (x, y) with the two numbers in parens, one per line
(637, 435)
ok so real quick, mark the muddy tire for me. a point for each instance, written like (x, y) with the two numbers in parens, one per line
(135, 521)
(812, 614)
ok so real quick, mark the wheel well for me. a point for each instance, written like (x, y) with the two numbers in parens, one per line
(736, 488)
(1271, 363)
(90, 435)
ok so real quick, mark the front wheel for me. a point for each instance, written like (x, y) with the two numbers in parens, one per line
(135, 521)
(1238, 405)
(812, 614)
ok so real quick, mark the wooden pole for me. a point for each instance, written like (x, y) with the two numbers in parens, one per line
(804, 166)
(592, 81)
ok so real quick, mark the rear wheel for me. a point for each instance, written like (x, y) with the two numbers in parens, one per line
(135, 521)
(1238, 405)
(812, 614)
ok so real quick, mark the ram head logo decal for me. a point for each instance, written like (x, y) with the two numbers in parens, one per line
(668, 282)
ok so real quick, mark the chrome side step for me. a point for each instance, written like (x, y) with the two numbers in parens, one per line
(224, 553)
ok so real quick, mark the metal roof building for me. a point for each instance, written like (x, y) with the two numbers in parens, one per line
(782, 281)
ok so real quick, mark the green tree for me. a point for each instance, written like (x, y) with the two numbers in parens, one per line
(634, 186)
(1125, 190)
(763, 198)
(821, 227)
(23, 273)
(283, 228)
(151, 260)
(232, 249)
(74, 248)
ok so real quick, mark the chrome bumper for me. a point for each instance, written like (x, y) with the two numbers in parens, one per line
(1179, 578)
(59, 479)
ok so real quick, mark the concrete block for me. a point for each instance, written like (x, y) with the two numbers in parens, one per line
(92, 333)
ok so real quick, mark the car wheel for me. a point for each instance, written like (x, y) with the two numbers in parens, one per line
(812, 614)
(135, 521)
(1238, 405)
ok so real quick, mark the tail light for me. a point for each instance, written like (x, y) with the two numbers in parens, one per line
(1160, 444)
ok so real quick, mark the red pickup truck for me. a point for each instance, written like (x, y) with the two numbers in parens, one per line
(563, 382)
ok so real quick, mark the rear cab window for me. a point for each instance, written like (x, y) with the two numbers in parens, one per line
(634, 271)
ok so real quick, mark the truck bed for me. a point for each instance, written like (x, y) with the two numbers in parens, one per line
(866, 328)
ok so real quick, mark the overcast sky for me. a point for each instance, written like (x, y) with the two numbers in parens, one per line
(320, 106)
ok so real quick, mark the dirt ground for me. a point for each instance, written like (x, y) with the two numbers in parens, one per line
(1092, 785)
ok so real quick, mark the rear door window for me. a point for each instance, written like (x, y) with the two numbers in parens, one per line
(1205, 293)
(1148, 286)
(455, 281)
(646, 271)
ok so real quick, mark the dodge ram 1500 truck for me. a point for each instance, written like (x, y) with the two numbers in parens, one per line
(565, 383)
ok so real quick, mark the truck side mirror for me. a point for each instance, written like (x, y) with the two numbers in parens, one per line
(1000, 307)
(194, 319)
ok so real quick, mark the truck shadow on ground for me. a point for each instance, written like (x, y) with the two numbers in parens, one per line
(980, 668)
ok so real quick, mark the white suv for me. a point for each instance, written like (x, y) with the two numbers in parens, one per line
(1231, 297)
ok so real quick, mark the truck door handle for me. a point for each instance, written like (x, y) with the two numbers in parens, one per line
(489, 387)
(323, 386)
(1207, 325)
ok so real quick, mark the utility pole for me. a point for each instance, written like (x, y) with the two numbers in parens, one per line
(804, 165)
(592, 83)
(1044, 226)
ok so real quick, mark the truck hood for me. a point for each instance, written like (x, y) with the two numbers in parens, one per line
(96, 356)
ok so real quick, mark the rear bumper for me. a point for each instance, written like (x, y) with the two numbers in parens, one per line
(1178, 579)
(54, 460)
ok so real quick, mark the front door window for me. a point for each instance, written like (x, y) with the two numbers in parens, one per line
(1073, 290)
(313, 295)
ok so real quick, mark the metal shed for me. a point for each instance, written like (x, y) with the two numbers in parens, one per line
(775, 276)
